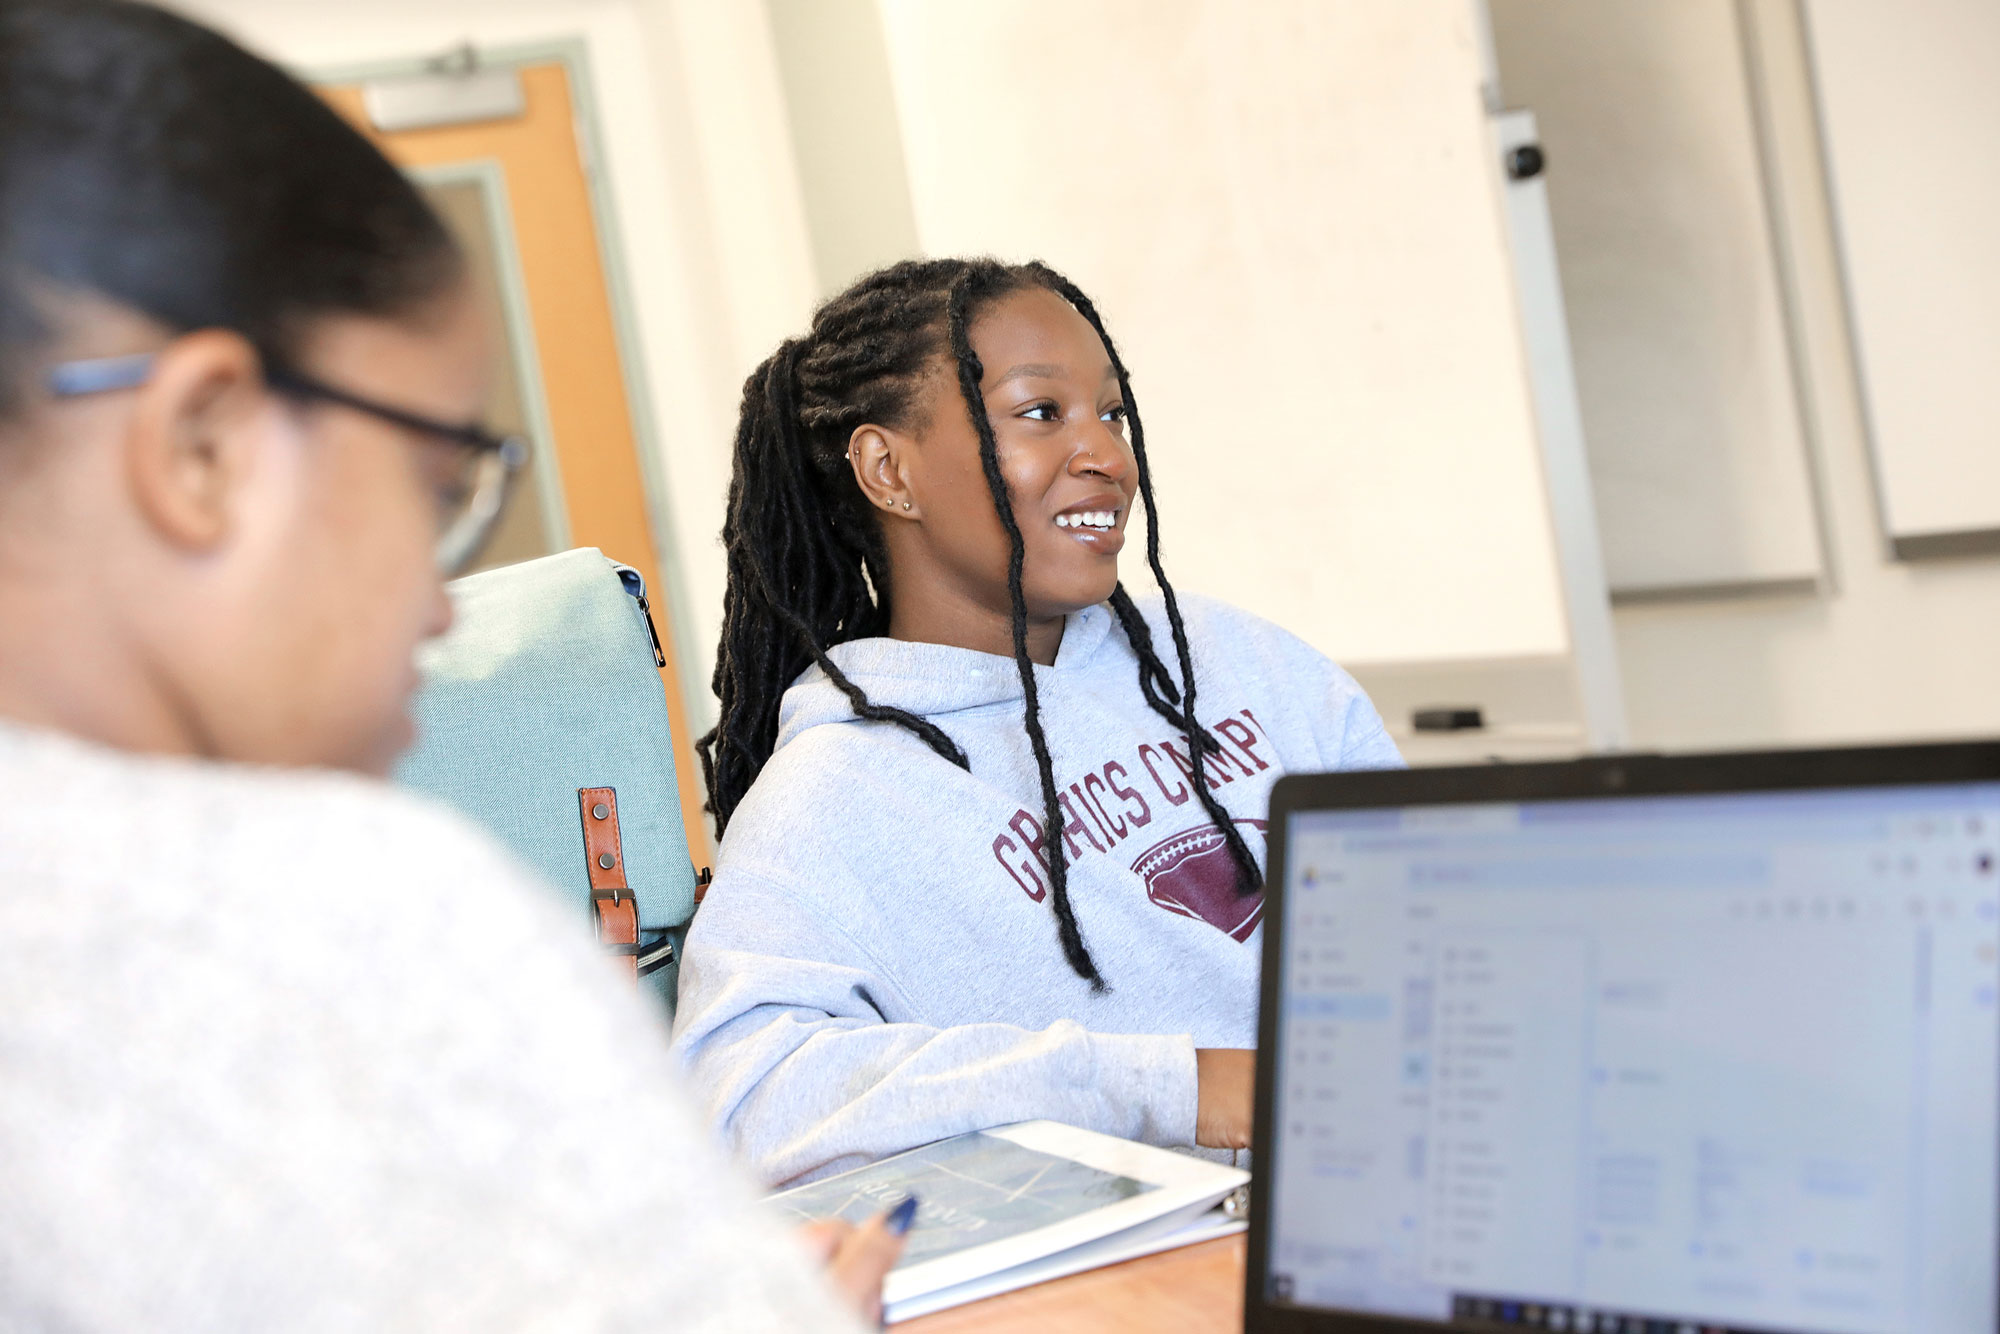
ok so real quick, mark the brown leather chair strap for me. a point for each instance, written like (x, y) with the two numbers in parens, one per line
(610, 895)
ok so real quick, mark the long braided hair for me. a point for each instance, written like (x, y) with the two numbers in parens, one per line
(808, 567)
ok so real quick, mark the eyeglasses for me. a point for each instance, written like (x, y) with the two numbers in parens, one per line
(476, 498)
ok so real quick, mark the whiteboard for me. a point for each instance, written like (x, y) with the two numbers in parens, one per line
(1691, 416)
(1292, 227)
(1910, 111)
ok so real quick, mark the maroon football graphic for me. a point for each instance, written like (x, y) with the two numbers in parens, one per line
(1192, 874)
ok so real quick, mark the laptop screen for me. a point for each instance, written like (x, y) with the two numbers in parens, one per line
(1643, 1063)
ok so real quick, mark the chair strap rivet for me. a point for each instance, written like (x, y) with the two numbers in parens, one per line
(600, 811)
(607, 861)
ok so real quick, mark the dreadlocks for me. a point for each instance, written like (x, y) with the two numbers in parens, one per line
(808, 567)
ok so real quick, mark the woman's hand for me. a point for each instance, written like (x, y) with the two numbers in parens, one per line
(1226, 1082)
(857, 1259)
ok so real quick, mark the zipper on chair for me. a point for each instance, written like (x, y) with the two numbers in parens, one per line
(646, 610)
(635, 584)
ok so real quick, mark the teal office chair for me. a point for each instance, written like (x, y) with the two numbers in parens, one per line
(543, 717)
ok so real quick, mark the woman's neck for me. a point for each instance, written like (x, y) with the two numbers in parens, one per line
(919, 620)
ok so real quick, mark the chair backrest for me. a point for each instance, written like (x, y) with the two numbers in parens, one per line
(546, 691)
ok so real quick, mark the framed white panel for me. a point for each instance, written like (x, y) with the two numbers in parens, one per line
(1677, 321)
(1289, 214)
(1909, 99)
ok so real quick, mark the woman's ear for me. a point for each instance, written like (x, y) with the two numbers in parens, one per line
(191, 442)
(878, 456)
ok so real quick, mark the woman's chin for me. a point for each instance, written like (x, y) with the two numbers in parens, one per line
(391, 739)
(1070, 599)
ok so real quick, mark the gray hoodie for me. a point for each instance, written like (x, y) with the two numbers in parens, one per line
(877, 966)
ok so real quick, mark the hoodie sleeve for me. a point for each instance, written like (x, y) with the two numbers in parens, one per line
(1350, 726)
(782, 1025)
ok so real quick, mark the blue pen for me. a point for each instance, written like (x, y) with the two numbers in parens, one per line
(902, 1216)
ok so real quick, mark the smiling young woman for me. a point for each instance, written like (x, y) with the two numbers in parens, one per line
(931, 494)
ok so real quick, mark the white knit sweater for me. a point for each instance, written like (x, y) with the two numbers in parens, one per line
(287, 1051)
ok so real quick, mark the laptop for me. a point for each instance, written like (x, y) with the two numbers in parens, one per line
(1642, 1045)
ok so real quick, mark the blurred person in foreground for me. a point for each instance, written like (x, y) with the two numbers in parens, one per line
(281, 1048)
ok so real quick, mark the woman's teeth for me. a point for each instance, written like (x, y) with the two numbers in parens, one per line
(1102, 520)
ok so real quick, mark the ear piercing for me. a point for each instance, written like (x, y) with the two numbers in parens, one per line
(906, 504)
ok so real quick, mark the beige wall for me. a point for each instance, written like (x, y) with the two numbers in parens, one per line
(1292, 225)
(840, 107)
(722, 265)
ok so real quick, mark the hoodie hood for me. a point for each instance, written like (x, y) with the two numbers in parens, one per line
(930, 680)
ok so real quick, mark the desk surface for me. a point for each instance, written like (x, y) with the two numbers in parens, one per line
(1197, 1287)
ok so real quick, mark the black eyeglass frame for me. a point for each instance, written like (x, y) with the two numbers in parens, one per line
(462, 539)
(74, 379)
(295, 385)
